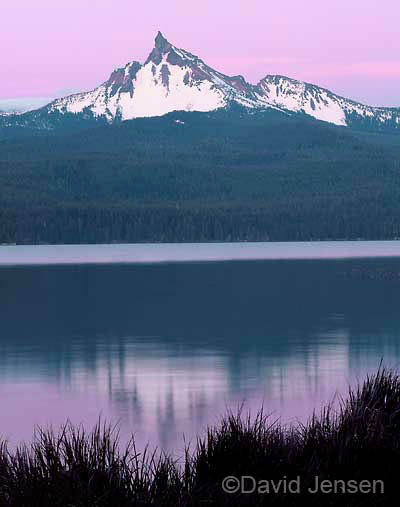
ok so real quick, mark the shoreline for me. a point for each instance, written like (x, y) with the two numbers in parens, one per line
(153, 253)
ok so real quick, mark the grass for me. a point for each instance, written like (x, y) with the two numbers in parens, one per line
(359, 441)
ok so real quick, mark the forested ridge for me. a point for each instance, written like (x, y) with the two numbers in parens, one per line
(222, 176)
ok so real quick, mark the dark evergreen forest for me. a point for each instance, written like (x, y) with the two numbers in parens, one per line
(222, 176)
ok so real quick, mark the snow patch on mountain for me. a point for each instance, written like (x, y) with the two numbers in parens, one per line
(162, 88)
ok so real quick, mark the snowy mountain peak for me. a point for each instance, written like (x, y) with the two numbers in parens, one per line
(173, 79)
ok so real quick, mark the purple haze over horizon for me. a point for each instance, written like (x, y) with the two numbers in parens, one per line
(351, 48)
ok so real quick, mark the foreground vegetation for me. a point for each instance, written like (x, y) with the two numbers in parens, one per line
(222, 176)
(359, 442)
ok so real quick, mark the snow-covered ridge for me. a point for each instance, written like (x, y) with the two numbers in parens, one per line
(173, 79)
(320, 103)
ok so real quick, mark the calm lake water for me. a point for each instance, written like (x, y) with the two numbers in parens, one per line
(163, 348)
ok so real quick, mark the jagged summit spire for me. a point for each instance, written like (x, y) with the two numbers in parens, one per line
(161, 46)
(161, 43)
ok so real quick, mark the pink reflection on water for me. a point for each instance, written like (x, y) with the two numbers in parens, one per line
(159, 395)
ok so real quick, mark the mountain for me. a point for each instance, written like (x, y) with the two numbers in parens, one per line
(173, 79)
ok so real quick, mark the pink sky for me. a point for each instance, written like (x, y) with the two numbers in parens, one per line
(349, 46)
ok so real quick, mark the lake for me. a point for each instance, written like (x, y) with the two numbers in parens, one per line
(151, 338)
